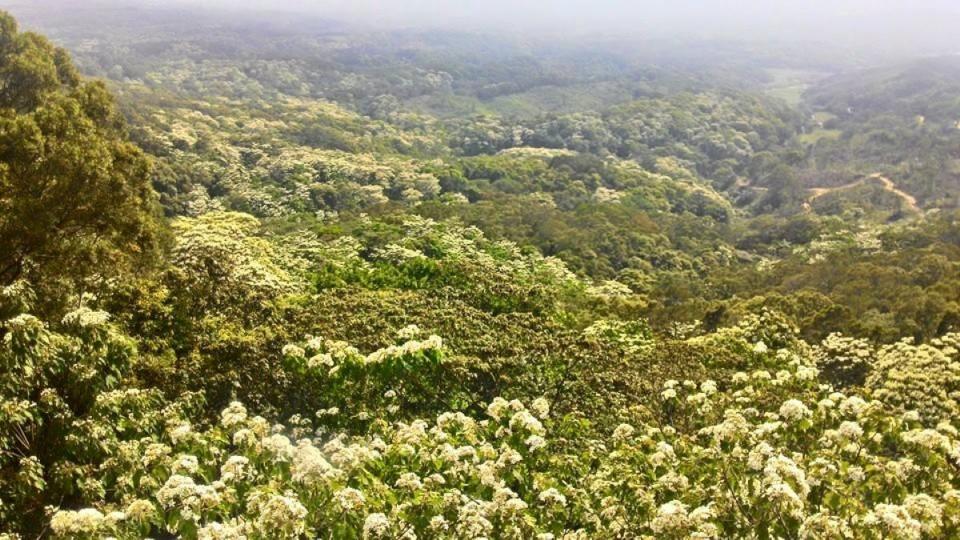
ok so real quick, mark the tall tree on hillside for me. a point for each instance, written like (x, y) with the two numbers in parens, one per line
(75, 199)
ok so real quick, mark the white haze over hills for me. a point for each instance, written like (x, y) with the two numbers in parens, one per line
(885, 20)
(891, 28)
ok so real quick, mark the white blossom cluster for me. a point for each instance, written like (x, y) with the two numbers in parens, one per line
(771, 451)
(331, 355)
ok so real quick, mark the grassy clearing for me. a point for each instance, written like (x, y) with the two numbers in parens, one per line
(818, 135)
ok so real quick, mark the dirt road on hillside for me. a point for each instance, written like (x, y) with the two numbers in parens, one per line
(887, 184)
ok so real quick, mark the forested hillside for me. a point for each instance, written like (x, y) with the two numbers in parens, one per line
(903, 120)
(296, 279)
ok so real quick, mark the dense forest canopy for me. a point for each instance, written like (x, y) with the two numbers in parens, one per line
(276, 275)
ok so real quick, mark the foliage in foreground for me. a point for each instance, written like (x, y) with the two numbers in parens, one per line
(770, 449)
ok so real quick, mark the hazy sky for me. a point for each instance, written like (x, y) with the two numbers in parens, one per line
(927, 26)
(620, 14)
(917, 26)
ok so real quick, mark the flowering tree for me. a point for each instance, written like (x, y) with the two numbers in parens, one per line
(770, 451)
(55, 427)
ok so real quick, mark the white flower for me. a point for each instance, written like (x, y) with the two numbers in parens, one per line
(928, 438)
(760, 347)
(507, 501)
(672, 481)
(140, 510)
(758, 456)
(154, 454)
(472, 523)
(283, 513)
(807, 373)
(309, 466)
(665, 451)
(293, 351)
(81, 522)
(850, 430)
(551, 496)
(734, 425)
(911, 416)
(23, 322)
(434, 480)
(376, 526)
(245, 438)
(794, 410)
(233, 530)
(823, 525)
(407, 349)
(780, 468)
(525, 420)
(895, 521)
(233, 415)
(181, 432)
(279, 447)
(185, 464)
(487, 471)
(702, 514)
(438, 524)
(497, 408)
(235, 469)
(409, 481)
(540, 407)
(535, 442)
(86, 317)
(622, 432)
(927, 510)
(509, 456)
(784, 496)
(190, 498)
(114, 518)
(408, 332)
(671, 519)
(349, 499)
(853, 406)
